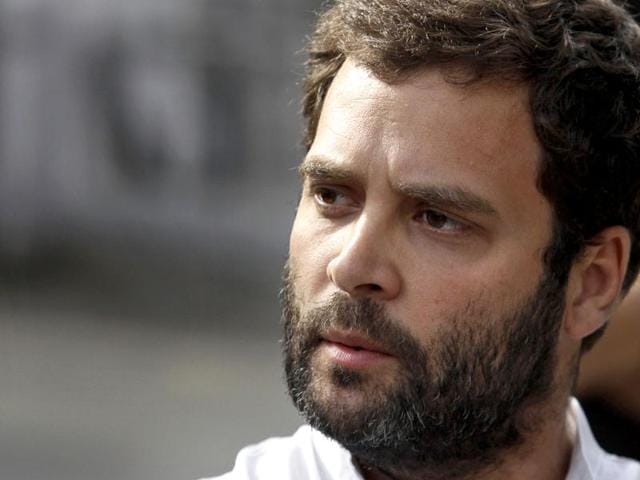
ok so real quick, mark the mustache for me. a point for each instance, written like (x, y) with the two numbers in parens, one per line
(363, 315)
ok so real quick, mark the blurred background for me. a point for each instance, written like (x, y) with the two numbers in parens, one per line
(147, 185)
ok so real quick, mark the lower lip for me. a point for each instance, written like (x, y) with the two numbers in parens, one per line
(351, 357)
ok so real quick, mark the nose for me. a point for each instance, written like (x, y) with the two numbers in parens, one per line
(364, 265)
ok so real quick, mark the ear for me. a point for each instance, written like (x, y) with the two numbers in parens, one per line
(595, 282)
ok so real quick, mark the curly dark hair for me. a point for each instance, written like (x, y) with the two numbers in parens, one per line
(581, 61)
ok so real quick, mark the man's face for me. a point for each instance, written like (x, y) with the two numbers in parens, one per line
(417, 312)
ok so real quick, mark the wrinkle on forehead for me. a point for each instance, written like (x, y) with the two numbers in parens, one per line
(498, 110)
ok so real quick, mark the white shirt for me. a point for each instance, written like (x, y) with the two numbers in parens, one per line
(309, 455)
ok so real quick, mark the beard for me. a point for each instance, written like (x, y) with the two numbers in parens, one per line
(454, 406)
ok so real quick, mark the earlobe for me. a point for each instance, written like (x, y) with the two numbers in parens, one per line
(595, 282)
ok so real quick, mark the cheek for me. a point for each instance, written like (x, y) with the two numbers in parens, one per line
(433, 299)
(431, 303)
(309, 255)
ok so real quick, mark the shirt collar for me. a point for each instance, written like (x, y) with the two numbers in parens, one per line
(587, 455)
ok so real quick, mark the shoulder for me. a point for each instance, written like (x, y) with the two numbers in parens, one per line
(306, 455)
(614, 467)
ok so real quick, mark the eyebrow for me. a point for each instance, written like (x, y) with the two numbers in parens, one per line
(449, 197)
(319, 167)
(440, 196)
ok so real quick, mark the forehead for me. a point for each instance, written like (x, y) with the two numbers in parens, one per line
(427, 129)
(477, 121)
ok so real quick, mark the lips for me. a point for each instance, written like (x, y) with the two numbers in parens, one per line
(355, 341)
(353, 350)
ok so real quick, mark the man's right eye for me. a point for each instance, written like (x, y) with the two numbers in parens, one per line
(327, 196)
(332, 202)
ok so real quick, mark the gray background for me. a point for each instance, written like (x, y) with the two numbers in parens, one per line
(147, 185)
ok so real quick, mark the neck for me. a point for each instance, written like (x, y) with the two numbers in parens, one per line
(545, 453)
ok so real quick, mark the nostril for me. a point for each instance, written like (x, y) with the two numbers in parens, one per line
(367, 289)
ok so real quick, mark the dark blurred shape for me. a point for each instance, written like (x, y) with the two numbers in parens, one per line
(148, 134)
(616, 431)
(146, 190)
(634, 7)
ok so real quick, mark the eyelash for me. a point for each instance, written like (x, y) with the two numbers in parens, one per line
(319, 191)
(457, 227)
(322, 190)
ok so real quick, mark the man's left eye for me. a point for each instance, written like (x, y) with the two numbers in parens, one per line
(439, 221)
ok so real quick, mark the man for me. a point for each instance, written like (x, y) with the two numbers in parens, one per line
(468, 223)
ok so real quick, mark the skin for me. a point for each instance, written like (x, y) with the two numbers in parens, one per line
(382, 215)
